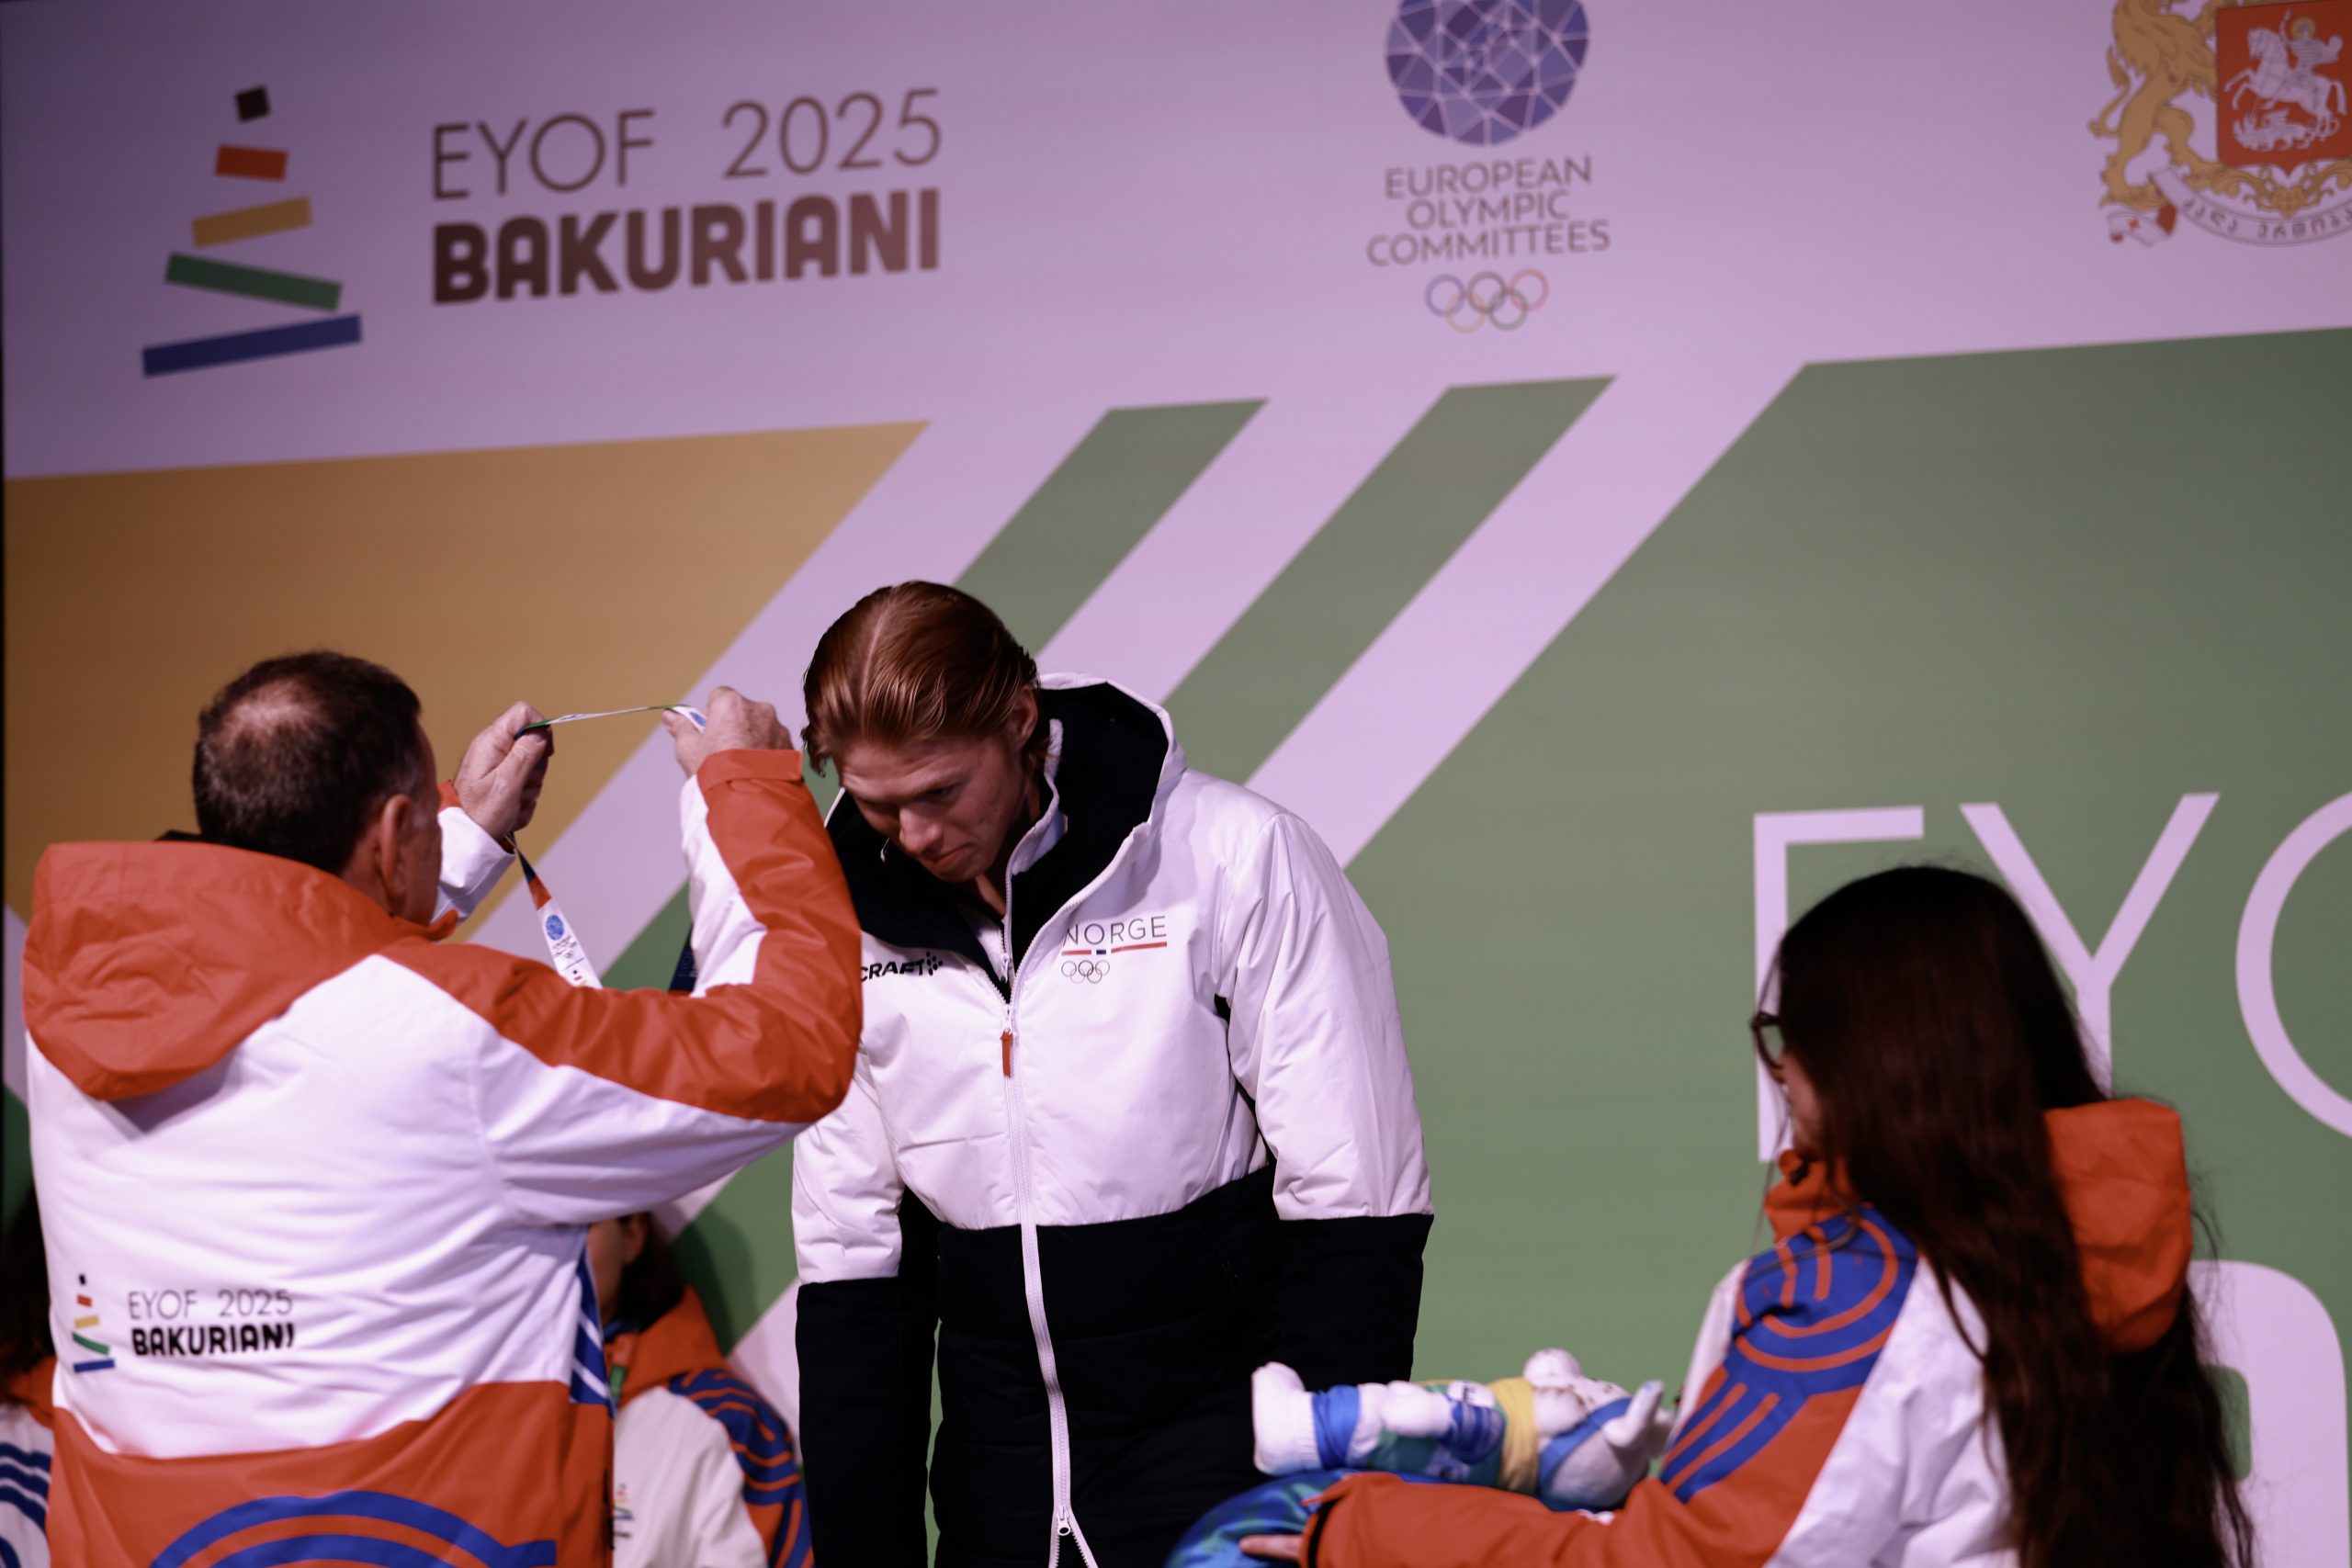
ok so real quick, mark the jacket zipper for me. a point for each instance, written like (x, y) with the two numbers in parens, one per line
(1032, 1282)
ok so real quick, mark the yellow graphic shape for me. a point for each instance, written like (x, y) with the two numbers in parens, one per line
(249, 222)
(579, 577)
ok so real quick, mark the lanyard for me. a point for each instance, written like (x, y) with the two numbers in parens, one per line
(565, 950)
(694, 715)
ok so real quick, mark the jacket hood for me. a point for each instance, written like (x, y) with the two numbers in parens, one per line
(31, 1390)
(147, 964)
(680, 1340)
(2123, 1175)
(1116, 762)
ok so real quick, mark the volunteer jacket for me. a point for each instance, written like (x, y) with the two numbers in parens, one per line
(1177, 1140)
(26, 1456)
(704, 1472)
(315, 1186)
(1842, 1420)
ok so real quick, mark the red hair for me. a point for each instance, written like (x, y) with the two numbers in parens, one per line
(914, 662)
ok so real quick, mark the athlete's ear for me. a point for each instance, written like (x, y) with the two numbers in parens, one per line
(1022, 723)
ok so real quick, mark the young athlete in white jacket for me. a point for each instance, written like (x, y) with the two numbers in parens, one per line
(1132, 1114)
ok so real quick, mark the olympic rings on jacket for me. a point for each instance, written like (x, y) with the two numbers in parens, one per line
(1487, 298)
(1090, 970)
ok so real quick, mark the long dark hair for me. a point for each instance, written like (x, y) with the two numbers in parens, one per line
(24, 1294)
(650, 1286)
(1926, 1016)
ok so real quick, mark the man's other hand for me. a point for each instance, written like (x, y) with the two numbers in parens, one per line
(737, 724)
(500, 777)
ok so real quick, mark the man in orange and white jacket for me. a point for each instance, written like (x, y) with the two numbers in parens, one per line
(316, 1188)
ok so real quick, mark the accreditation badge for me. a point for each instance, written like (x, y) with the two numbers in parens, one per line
(564, 950)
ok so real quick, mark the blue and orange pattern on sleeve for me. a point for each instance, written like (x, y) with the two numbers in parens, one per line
(773, 1491)
(1813, 1314)
(1812, 1318)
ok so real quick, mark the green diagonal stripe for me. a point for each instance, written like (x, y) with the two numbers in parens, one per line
(738, 1252)
(1408, 516)
(653, 958)
(1056, 549)
(1094, 509)
(253, 282)
(16, 1156)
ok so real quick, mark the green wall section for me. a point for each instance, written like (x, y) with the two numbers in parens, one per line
(2076, 583)
(653, 958)
(16, 1156)
(737, 1252)
(2079, 584)
(1094, 509)
(1364, 565)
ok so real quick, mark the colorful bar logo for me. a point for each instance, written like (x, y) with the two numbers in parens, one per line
(235, 161)
(85, 1324)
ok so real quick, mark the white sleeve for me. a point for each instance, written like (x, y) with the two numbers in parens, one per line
(472, 863)
(722, 1534)
(845, 1193)
(1914, 1477)
(1314, 1035)
(592, 1102)
(725, 934)
(26, 1458)
(573, 1145)
(1955, 1490)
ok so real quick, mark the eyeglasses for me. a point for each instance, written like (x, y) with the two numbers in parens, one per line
(1765, 1027)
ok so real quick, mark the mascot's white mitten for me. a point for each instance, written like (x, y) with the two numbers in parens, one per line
(1282, 1414)
(1593, 1460)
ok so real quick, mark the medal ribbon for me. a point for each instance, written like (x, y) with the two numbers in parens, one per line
(565, 950)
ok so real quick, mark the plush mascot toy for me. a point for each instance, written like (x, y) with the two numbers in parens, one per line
(1571, 1440)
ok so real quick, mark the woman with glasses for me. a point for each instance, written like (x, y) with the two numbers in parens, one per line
(1972, 1342)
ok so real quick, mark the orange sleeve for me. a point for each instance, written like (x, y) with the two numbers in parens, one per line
(779, 1048)
(1814, 1315)
(1377, 1521)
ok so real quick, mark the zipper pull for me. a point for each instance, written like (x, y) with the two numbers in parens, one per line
(1007, 1038)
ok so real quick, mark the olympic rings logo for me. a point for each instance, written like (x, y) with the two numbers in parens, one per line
(1486, 298)
(1090, 970)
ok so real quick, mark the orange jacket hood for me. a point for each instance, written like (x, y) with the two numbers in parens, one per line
(680, 1340)
(32, 1389)
(146, 964)
(2123, 1175)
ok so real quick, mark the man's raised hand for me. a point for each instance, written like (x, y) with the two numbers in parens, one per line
(501, 775)
(737, 724)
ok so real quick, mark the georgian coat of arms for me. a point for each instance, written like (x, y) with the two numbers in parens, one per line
(2232, 116)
